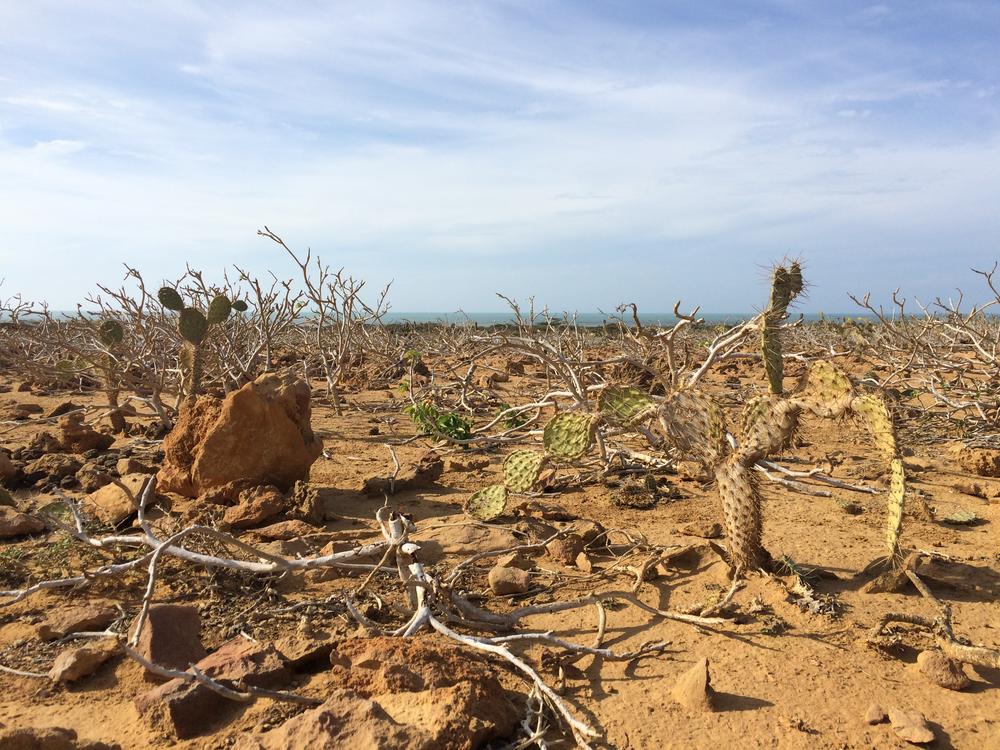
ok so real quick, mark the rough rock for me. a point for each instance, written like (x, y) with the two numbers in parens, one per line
(44, 442)
(565, 549)
(92, 476)
(435, 543)
(506, 581)
(48, 738)
(63, 408)
(255, 506)
(463, 464)
(7, 468)
(983, 462)
(702, 529)
(584, 563)
(171, 636)
(300, 649)
(62, 621)
(910, 726)
(77, 437)
(260, 433)
(82, 661)
(21, 411)
(56, 465)
(875, 714)
(7, 499)
(285, 530)
(111, 504)
(514, 560)
(943, 670)
(427, 684)
(184, 709)
(14, 524)
(694, 688)
(132, 465)
(422, 474)
(345, 720)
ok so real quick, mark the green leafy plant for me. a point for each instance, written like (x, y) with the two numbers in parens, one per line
(448, 424)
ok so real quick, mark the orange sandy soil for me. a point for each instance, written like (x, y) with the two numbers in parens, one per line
(785, 678)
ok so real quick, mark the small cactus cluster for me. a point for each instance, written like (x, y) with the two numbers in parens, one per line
(193, 326)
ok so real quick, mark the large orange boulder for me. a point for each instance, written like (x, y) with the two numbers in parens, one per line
(260, 434)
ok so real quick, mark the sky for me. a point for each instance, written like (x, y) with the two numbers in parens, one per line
(586, 153)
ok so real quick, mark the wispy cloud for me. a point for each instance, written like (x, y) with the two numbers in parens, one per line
(586, 154)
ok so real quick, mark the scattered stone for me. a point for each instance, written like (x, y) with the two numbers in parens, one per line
(255, 506)
(48, 738)
(309, 502)
(285, 530)
(702, 529)
(7, 499)
(462, 541)
(416, 476)
(57, 465)
(461, 465)
(14, 524)
(111, 504)
(507, 581)
(851, 507)
(18, 412)
(92, 477)
(565, 549)
(63, 408)
(694, 688)
(875, 714)
(589, 531)
(983, 462)
(77, 437)
(301, 649)
(42, 443)
(515, 560)
(942, 670)
(260, 433)
(75, 663)
(130, 465)
(184, 709)
(7, 468)
(171, 636)
(910, 726)
(62, 621)
(584, 563)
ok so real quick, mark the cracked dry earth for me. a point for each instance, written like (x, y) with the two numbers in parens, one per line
(784, 676)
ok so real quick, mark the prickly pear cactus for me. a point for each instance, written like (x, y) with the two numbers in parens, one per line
(624, 405)
(239, 306)
(769, 423)
(111, 333)
(170, 299)
(825, 390)
(219, 309)
(894, 508)
(786, 284)
(696, 425)
(741, 509)
(488, 503)
(874, 413)
(521, 470)
(192, 325)
(569, 435)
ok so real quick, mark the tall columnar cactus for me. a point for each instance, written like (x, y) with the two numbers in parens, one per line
(786, 284)
(194, 326)
(111, 334)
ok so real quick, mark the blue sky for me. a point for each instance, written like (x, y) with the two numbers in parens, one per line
(587, 153)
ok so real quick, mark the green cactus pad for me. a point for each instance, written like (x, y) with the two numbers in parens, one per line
(111, 332)
(769, 423)
(219, 309)
(192, 325)
(826, 390)
(570, 434)
(488, 503)
(894, 508)
(696, 424)
(874, 412)
(239, 306)
(521, 469)
(625, 405)
(170, 299)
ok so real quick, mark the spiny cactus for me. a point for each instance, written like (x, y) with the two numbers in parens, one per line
(488, 503)
(570, 434)
(741, 509)
(624, 405)
(696, 425)
(521, 469)
(111, 334)
(193, 327)
(786, 284)
(825, 390)
(769, 423)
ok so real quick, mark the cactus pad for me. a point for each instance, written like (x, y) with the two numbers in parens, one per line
(488, 503)
(894, 509)
(239, 306)
(570, 434)
(694, 422)
(874, 412)
(740, 496)
(111, 332)
(825, 391)
(625, 405)
(192, 325)
(521, 469)
(170, 299)
(219, 309)
(769, 423)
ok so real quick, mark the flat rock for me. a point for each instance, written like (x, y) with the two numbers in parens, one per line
(111, 504)
(565, 549)
(255, 506)
(421, 474)
(62, 621)
(171, 636)
(506, 581)
(56, 465)
(132, 465)
(75, 663)
(702, 529)
(464, 540)
(943, 670)
(14, 524)
(693, 689)
(910, 726)
(299, 649)
(285, 530)
(92, 476)
(48, 738)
